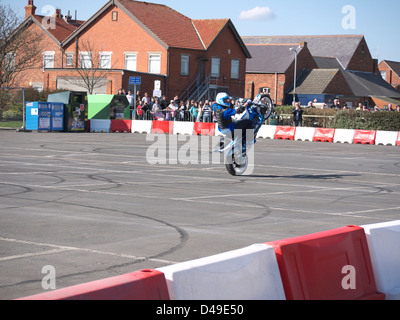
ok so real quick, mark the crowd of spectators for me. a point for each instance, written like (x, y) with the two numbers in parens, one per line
(154, 108)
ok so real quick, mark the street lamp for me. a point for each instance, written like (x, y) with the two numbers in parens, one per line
(295, 70)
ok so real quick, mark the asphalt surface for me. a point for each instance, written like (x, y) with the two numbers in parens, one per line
(93, 207)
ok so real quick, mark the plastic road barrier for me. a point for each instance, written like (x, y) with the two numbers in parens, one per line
(140, 285)
(324, 135)
(204, 128)
(305, 134)
(386, 138)
(121, 126)
(163, 127)
(398, 140)
(344, 136)
(251, 273)
(364, 137)
(267, 132)
(285, 133)
(384, 244)
(330, 265)
(142, 126)
(183, 128)
(99, 125)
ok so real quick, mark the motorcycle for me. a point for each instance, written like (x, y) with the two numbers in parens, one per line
(232, 146)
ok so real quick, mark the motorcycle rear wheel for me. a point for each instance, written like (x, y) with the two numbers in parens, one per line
(236, 169)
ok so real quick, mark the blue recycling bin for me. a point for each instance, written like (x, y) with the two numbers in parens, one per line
(57, 116)
(38, 116)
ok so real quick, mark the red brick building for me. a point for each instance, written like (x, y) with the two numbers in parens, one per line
(330, 67)
(390, 71)
(134, 38)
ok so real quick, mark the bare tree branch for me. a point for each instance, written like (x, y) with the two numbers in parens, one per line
(20, 47)
(93, 68)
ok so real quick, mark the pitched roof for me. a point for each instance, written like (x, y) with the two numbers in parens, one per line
(367, 84)
(169, 26)
(62, 28)
(208, 30)
(270, 58)
(395, 66)
(315, 81)
(341, 47)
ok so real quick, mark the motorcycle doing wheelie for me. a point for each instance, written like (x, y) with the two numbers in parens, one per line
(234, 145)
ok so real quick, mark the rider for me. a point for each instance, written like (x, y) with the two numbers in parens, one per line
(224, 111)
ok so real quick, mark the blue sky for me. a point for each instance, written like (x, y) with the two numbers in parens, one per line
(377, 20)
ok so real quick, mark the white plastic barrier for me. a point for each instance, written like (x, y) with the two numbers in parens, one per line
(305, 134)
(344, 135)
(99, 125)
(386, 138)
(267, 132)
(251, 273)
(183, 128)
(384, 246)
(142, 126)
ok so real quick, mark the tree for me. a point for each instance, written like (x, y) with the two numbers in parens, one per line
(20, 47)
(92, 67)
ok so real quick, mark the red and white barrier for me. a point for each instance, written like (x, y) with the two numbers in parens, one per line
(99, 125)
(315, 267)
(384, 246)
(324, 135)
(267, 132)
(161, 127)
(251, 273)
(398, 140)
(364, 137)
(344, 136)
(305, 134)
(184, 128)
(142, 126)
(140, 285)
(386, 138)
(121, 126)
(204, 129)
(348, 263)
(285, 133)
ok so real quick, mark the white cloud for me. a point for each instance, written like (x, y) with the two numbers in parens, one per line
(257, 14)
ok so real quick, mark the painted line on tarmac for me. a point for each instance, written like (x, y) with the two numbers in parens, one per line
(58, 249)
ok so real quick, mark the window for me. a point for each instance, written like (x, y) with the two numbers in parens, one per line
(115, 16)
(10, 62)
(105, 60)
(86, 60)
(215, 67)
(185, 65)
(70, 59)
(155, 63)
(48, 60)
(235, 67)
(383, 74)
(130, 61)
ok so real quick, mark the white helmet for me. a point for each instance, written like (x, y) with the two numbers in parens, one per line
(223, 99)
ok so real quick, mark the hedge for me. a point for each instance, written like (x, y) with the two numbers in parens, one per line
(364, 120)
(346, 119)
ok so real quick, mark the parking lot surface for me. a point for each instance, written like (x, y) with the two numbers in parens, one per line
(93, 207)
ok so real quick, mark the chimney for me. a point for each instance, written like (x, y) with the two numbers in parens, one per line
(30, 9)
(58, 14)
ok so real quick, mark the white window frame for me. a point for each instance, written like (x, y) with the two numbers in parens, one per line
(69, 59)
(383, 74)
(154, 63)
(85, 60)
(131, 58)
(215, 67)
(48, 59)
(185, 63)
(235, 69)
(105, 59)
